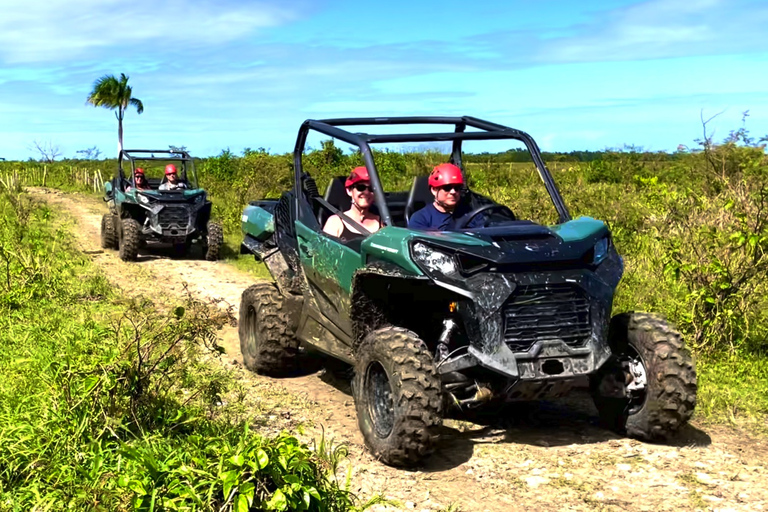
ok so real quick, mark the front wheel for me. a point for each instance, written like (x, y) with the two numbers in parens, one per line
(266, 341)
(130, 238)
(397, 395)
(647, 389)
(214, 239)
(108, 231)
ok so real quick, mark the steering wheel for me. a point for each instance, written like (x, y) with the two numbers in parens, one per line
(466, 219)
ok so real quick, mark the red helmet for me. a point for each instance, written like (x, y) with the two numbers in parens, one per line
(170, 169)
(139, 170)
(445, 174)
(358, 174)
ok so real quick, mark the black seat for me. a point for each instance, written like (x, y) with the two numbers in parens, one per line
(419, 197)
(336, 194)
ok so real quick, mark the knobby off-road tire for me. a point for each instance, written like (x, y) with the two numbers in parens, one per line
(670, 394)
(214, 239)
(268, 345)
(397, 395)
(130, 238)
(108, 232)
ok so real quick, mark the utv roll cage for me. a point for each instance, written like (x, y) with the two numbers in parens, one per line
(486, 130)
(130, 156)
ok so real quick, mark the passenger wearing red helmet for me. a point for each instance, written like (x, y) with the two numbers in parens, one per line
(173, 182)
(359, 189)
(446, 184)
(139, 180)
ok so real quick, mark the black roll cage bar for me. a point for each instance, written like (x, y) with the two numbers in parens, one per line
(132, 155)
(488, 131)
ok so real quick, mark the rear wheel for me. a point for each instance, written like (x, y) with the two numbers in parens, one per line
(130, 238)
(648, 387)
(108, 231)
(214, 239)
(397, 396)
(266, 341)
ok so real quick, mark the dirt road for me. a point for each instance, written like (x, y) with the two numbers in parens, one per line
(549, 457)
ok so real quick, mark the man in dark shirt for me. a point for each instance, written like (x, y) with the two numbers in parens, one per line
(446, 183)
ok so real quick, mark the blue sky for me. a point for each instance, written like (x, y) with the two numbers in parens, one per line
(222, 73)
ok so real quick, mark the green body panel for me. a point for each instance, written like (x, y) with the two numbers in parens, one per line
(258, 222)
(578, 229)
(392, 244)
(329, 260)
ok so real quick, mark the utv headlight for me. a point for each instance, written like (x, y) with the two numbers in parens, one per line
(143, 199)
(434, 260)
(600, 251)
(200, 199)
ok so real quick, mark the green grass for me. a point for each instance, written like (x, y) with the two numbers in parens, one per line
(734, 390)
(109, 404)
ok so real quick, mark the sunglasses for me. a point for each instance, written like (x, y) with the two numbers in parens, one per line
(449, 188)
(361, 187)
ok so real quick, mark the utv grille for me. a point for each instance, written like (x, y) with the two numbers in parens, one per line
(541, 312)
(174, 218)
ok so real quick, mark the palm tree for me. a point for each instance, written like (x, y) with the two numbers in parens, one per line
(115, 94)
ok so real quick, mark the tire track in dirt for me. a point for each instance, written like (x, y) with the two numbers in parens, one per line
(550, 456)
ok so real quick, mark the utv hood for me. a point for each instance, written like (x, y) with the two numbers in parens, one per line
(571, 244)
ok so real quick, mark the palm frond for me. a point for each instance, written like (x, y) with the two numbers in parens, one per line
(138, 104)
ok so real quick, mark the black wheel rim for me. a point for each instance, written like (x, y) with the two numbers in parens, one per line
(378, 392)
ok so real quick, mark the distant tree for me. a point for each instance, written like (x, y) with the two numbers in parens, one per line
(115, 94)
(89, 153)
(47, 150)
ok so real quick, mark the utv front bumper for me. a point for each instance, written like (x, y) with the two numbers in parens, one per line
(536, 326)
(171, 222)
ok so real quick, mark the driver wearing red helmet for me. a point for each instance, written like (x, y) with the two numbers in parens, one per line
(173, 183)
(446, 184)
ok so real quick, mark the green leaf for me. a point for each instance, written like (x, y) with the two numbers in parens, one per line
(123, 480)
(90, 383)
(229, 478)
(277, 501)
(262, 458)
(237, 460)
(179, 312)
(137, 487)
(313, 492)
(247, 490)
(241, 504)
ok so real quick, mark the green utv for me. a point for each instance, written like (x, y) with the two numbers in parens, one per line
(145, 212)
(440, 323)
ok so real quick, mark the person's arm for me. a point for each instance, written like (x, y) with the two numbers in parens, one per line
(333, 226)
(477, 222)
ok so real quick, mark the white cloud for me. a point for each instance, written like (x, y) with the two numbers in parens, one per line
(50, 30)
(664, 28)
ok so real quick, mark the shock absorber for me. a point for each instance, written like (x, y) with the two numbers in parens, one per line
(443, 342)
